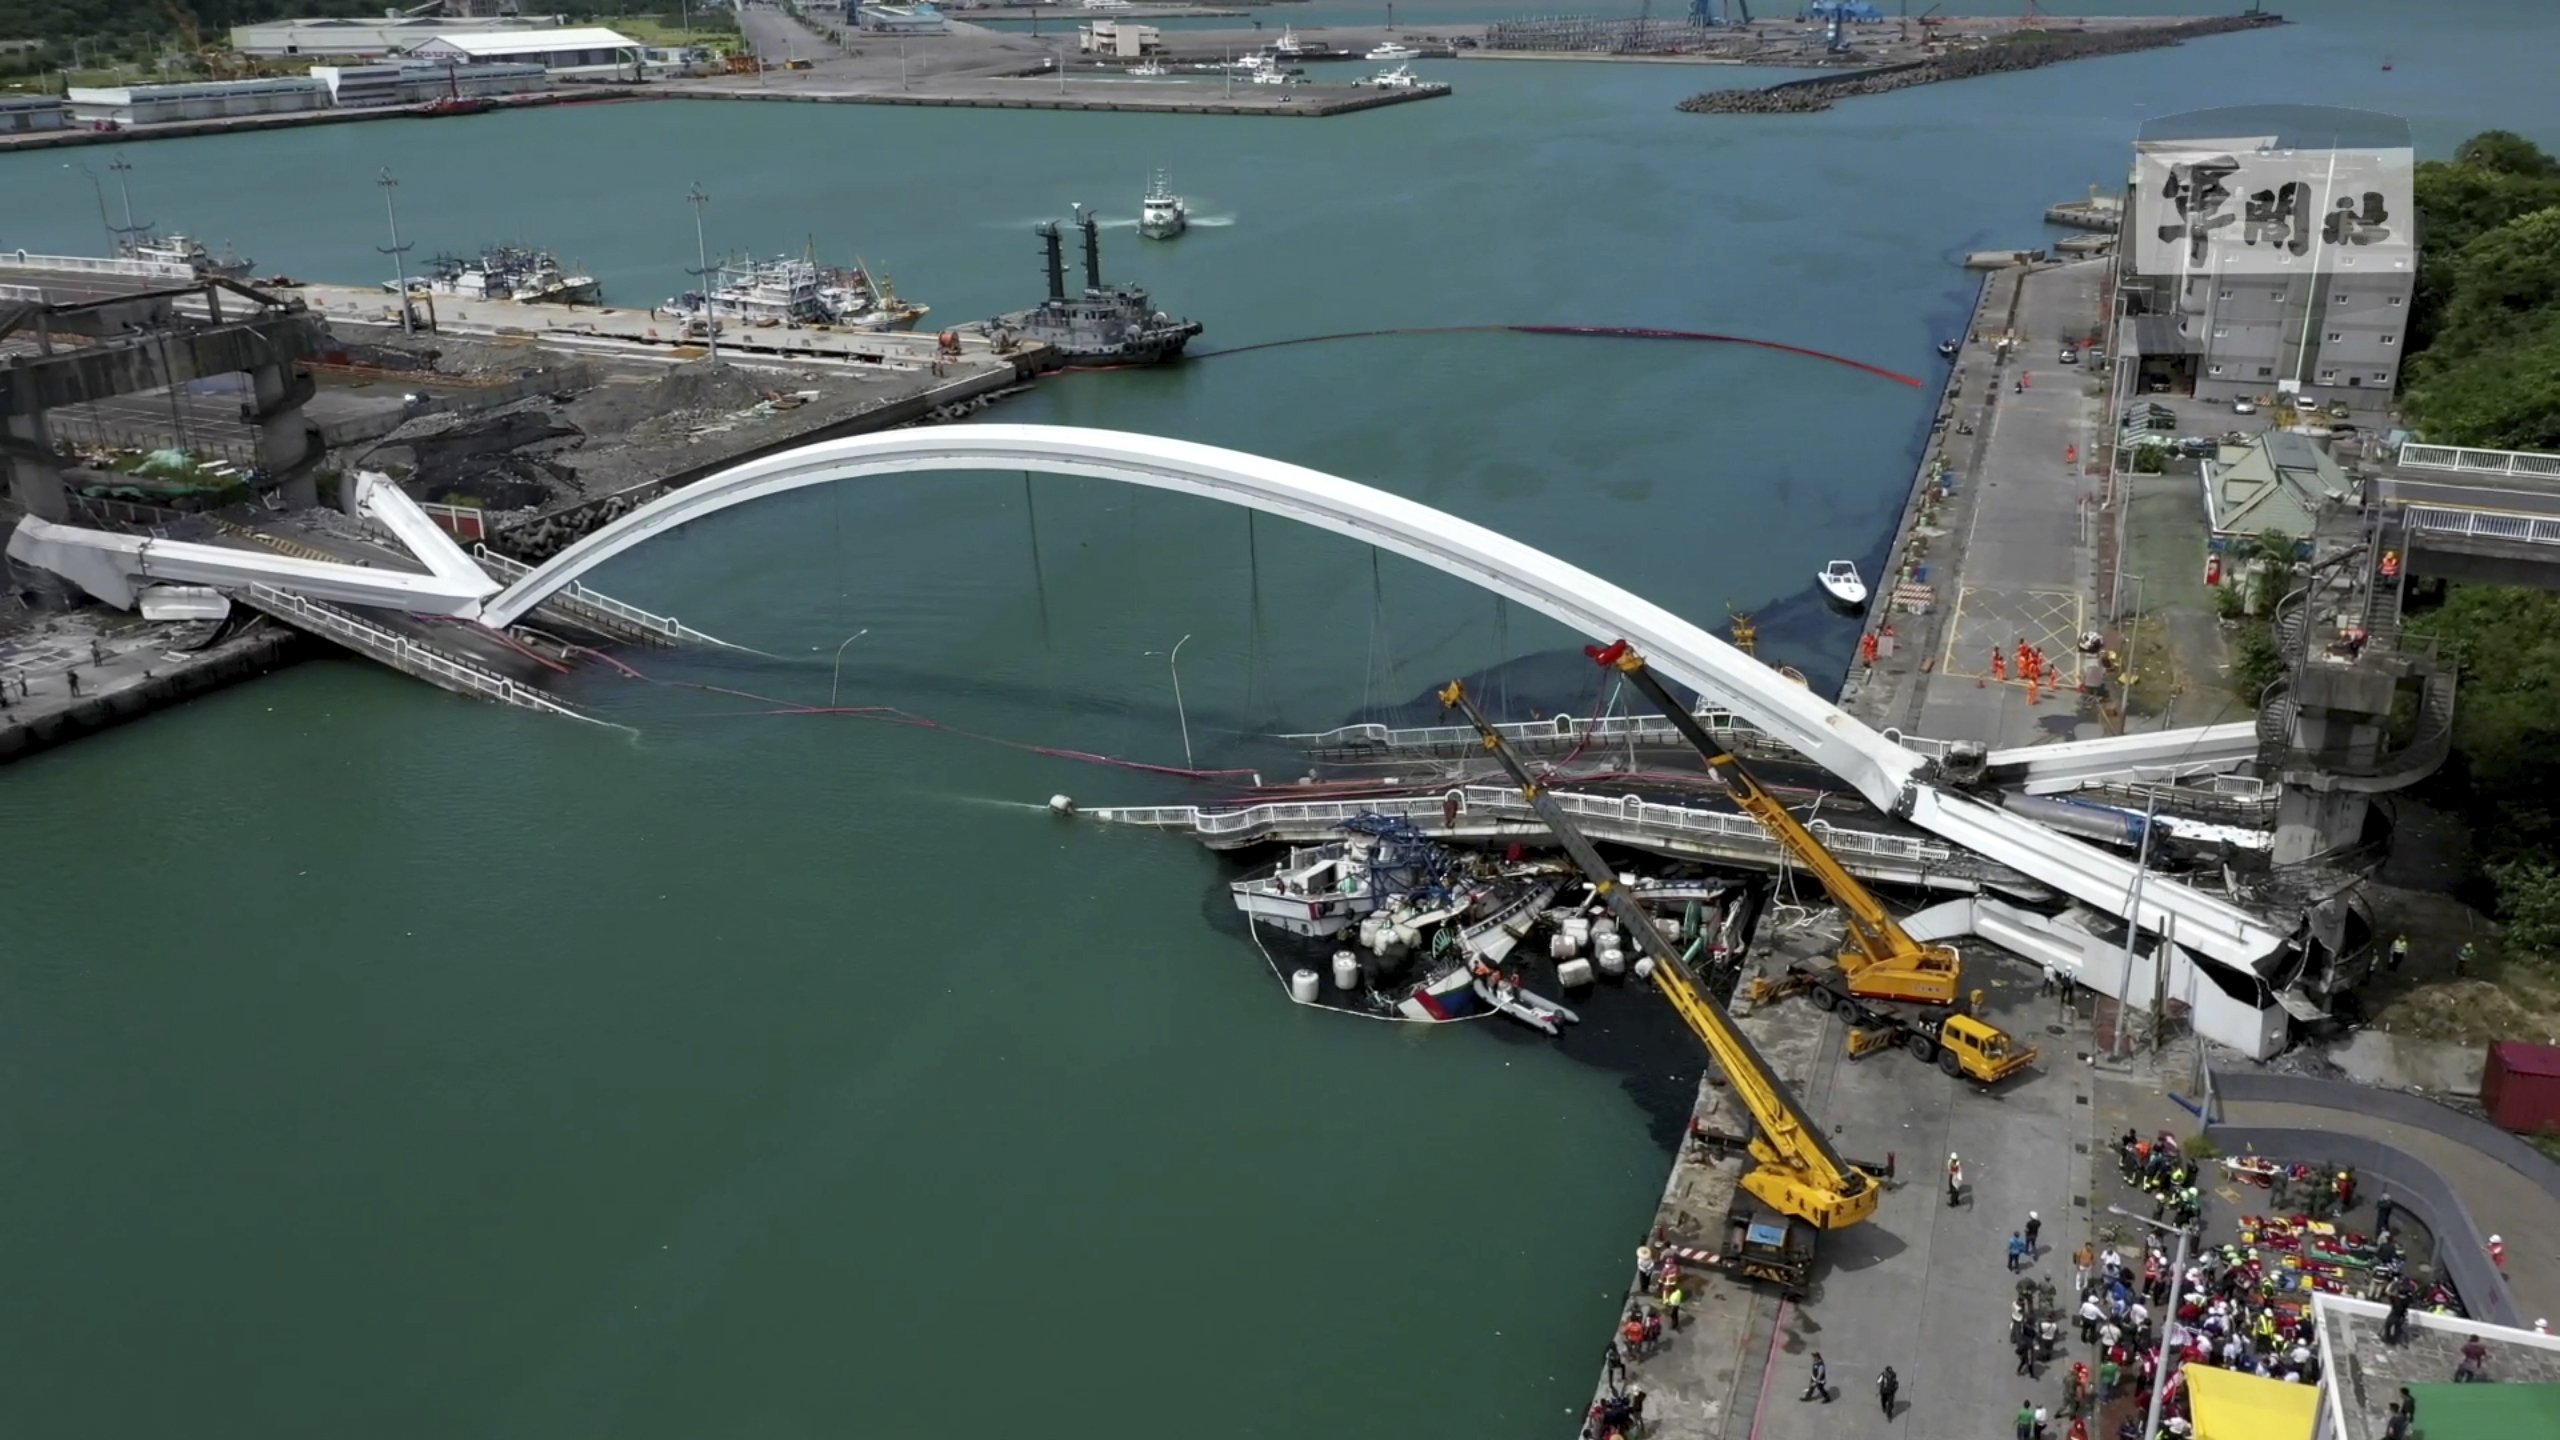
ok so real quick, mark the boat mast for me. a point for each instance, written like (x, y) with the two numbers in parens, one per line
(1057, 257)
(1092, 249)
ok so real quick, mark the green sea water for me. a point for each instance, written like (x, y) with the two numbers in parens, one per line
(372, 1062)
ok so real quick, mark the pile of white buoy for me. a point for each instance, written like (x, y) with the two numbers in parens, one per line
(1346, 971)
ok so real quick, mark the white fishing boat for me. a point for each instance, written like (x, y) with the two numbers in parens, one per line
(1393, 51)
(1148, 70)
(183, 250)
(1322, 890)
(1161, 213)
(1399, 77)
(1289, 46)
(1840, 581)
(1270, 76)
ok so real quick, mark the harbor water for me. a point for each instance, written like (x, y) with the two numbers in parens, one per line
(376, 1062)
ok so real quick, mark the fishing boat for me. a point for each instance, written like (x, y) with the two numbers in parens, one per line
(1319, 891)
(855, 299)
(1271, 76)
(1393, 51)
(1398, 77)
(1840, 581)
(1161, 214)
(510, 272)
(1289, 46)
(1148, 70)
(183, 250)
(1947, 349)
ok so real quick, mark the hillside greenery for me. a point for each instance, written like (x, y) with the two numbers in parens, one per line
(111, 33)
(2484, 368)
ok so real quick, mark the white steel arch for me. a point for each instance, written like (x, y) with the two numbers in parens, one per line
(1887, 774)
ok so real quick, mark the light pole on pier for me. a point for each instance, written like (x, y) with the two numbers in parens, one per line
(703, 273)
(838, 678)
(2169, 1313)
(1173, 663)
(399, 269)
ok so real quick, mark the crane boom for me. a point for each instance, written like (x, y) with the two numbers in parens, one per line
(1797, 1173)
(1881, 960)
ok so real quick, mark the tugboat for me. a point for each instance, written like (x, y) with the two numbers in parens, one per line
(1114, 324)
(1161, 214)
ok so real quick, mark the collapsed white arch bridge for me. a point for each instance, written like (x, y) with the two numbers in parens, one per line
(2229, 991)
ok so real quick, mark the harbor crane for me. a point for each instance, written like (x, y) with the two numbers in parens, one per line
(1800, 1182)
(1897, 990)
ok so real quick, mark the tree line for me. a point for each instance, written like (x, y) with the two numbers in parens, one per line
(2485, 371)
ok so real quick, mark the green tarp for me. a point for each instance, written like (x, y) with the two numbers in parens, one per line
(2489, 1411)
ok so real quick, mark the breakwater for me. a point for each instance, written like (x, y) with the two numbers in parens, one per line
(2021, 50)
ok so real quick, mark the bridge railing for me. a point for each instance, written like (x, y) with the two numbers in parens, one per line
(1346, 741)
(1631, 811)
(2513, 464)
(506, 570)
(401, 652)
(92, 265)
(2483, 524)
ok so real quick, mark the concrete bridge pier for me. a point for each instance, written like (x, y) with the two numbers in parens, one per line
(35, 472)
(288, 445)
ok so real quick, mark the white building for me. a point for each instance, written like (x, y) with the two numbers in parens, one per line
(588, 52)
(364, 39)
(416, 84)
(21, 113)
(1120, 38)
(196, 100)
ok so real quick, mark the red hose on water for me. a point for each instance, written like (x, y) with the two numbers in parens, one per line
(1599, 332)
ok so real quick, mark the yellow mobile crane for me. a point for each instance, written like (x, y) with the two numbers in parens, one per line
(1795, 1173)
(1881, 964)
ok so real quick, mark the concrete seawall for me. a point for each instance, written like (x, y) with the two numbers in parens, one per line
(2024, 51)
(250, 654)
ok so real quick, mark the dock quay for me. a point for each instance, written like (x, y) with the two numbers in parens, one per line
(1999, 539)
(285, 120)
(1196, 96)
(2098, 211)
(1966, 50)
(1490, 815)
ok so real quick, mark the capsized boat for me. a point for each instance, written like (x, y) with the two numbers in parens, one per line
(1840, 581)
(1161, 213)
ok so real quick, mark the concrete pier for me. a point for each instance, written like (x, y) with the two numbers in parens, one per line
(103, 329)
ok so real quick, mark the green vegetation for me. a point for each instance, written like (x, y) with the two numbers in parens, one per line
(2504, 778)
(2484, 369)
(2484, 364)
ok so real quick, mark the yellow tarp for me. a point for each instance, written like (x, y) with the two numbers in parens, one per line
(2228, 1405)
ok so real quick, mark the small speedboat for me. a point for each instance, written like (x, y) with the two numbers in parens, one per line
(1840, 581)
(1947, 349)
(1393, 51)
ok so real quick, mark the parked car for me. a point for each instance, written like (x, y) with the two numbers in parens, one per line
(2069, 356)
(2244, 407)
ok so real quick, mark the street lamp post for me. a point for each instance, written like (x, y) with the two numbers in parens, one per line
(399, 271)
(702, 273)
(838, 678)
(2168, 1321)
(1173, 662)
